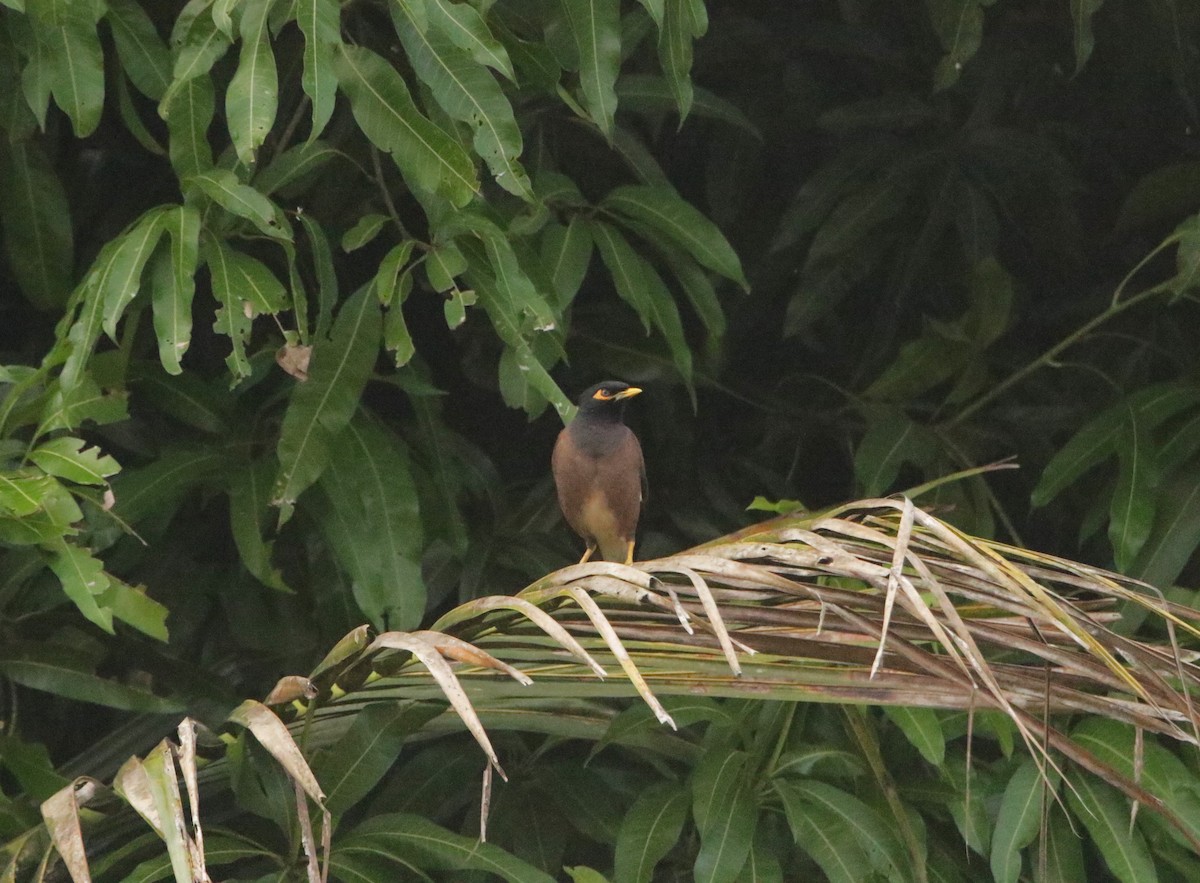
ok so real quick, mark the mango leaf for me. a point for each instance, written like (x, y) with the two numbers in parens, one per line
(294, 165)
(174, 286)
(53, 670)
(123, 276)
(70, 407)
(73, 62)
(36, 220)
(649, 830)
(683, 21)
(959, 26)
(566, 253)
(153, 492)
(251, 100)
(847, 820)
(1017, 822)
(223, 188)
(188, 112)
(195, 52)
(364, 230)
(387, 277)
(1131, 513)
(135, 608)
(353, 765)
(82, 578)
(390, 844)
(429, 159)
(66, 457)
(922, 728)
(236, 278)
(327, 283)
(321, 407)
(827, 839)
(144, 56)
(1081, 18)
(661, 208)
(374, 524)
(467, 92)
(1097, 440)
(320, 22)
(646, 93)
(1105, 815)
(639, 285)
(249, 506)
(467, 30)
(1176, 532)
(726, 816)
(596, 27)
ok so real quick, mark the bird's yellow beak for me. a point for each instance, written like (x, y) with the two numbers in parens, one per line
(628, 393)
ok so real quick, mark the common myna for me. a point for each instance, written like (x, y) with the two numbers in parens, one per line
(599, 472)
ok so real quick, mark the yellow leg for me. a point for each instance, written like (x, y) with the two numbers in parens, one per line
(588, 554)
(629, 553)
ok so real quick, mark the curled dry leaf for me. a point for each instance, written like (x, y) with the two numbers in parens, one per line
(289, 688)
(293, 358)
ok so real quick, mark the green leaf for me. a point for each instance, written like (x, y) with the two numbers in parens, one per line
(36, 220)
(922, 728)
(848, 820)
(251, 100)
(959, 26)
(195, 52)
(374, 524)
(1176, 532)
(388, 275)
(245, 288)
(188, 112)
(68, 408)
(153, 492)
(82, 578)
(443, 264)
(293, 166)
(699, 290)
(467, 30)
(1106, 816)
(49, 669)
(144, 56)
(249, 507)
(353, 765)
(467, 92)
(649, 94)
(1064, 852)
(66, 457)
(320, 21)
(327, 283)
(661, 208)
(1081, 18)
(73, 62)
(1097, 440)
(123, 278)
(596, 26)
(321, 407)
(134, 607)
(639, 285)
(223, 188)
(649, 830)
(365, 230)
(429, 159)
(566, 253)
(583, 874)
(827, 839)
(174, 286)
(1017, 822)
(1131, 514)
(683, 21)
(388, 844)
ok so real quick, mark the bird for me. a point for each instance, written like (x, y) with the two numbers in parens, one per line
(599, 472)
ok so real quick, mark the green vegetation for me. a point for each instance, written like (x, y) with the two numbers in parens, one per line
(295, 294)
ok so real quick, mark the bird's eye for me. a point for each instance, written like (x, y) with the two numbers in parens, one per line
(603, 395)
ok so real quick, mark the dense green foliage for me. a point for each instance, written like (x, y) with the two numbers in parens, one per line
(293, 294)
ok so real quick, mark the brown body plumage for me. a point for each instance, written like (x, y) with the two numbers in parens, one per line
(599, 472)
